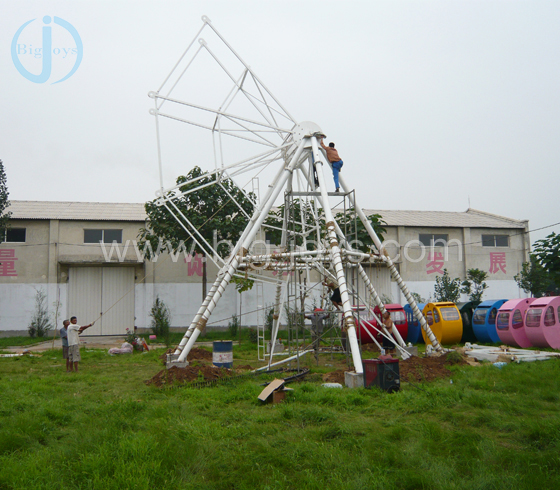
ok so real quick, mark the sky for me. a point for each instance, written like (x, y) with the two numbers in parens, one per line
(433, 105)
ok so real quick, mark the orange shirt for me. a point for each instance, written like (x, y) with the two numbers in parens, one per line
(332, 154)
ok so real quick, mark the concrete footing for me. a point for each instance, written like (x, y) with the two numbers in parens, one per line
(172, 360)
(412, 350)
(353, 380)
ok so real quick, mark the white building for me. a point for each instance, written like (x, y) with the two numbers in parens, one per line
(54, 247)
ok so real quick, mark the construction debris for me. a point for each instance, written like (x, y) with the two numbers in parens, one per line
(505, 353)
(275, 391)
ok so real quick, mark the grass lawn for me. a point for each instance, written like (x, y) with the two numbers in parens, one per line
(23, 340)
(103, 428)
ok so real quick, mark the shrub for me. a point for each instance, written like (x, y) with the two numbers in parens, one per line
(161, 320)
(233, 326)
(40, 322)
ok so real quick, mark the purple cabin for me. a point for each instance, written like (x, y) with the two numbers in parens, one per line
(510, 323)
(541, 322)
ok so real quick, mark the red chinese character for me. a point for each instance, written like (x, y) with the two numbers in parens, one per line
(436, 263)
(497, 262)
(7, 262)
(195, 265)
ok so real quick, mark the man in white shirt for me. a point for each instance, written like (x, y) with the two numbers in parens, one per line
(74, 331)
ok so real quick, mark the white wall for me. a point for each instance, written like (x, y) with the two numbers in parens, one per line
(17, 304)
(17, 301)
(184, 300)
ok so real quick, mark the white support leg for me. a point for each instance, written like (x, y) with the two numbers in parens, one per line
(337, 262)
(229, 269)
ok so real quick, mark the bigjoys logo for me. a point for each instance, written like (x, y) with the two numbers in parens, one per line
(54, 52)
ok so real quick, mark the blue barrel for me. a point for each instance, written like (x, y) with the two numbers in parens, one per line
(222, 355)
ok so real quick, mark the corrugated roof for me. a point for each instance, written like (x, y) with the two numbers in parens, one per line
(90, 211)
(104, 211)
(471, 218)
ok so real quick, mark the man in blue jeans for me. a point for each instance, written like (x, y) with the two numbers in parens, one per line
(64, 339)
(335, 160)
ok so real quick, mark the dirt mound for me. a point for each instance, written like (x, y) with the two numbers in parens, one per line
(196, 354)
(335, 377)
(190, 373)
(428, 368)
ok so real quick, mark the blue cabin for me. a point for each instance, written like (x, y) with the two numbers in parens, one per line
(414, 329)
(484, 320)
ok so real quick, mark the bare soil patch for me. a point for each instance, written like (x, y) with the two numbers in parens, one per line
(190, 373)
(201, 369)
(416, 369)
(428, 368)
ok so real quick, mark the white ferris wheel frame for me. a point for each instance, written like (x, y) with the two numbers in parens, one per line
(296, 152)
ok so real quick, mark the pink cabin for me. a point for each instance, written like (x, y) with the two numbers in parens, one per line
(510, 324)
(542, 324)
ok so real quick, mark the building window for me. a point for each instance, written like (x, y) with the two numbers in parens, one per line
(102, 236)
(495, 240)
(14, 235)
(433, 240)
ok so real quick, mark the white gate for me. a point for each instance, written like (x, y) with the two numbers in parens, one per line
(104, 294)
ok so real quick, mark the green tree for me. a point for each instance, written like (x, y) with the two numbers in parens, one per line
(547, 252)
(447, 289)
(533, 278)
(211, 210)
(295, 226)
(348, 221)
(4, 203)
(474, 285)
(355, 230)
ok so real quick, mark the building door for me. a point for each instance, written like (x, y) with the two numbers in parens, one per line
(104, 295)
